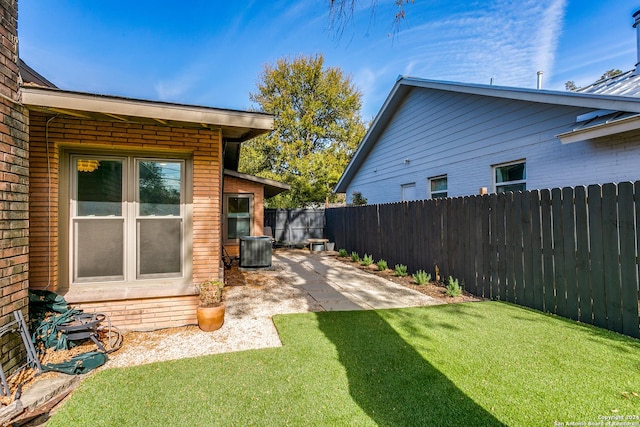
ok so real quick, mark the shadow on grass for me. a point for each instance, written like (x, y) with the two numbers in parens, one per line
(390, 381)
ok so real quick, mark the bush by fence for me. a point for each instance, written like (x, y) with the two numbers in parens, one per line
(570, 251)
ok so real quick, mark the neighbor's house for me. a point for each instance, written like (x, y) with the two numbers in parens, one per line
(131, 201)
(442, 139)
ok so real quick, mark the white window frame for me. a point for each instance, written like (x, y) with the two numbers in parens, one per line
(404, 188)
(497, 185)
(130, 213)
(435, 194)
(249, 196)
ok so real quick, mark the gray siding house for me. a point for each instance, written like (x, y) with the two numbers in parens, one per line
(444, 139)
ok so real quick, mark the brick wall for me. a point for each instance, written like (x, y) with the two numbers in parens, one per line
(14, 184)
(233, 185)
(205, 148)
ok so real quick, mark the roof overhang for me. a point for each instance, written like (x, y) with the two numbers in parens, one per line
(235, 125)
(271, 187)
(627, 124)
(404, 85)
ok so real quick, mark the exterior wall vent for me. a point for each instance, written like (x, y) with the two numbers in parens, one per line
(255, 252)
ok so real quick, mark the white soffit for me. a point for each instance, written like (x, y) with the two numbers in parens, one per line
(602, 129)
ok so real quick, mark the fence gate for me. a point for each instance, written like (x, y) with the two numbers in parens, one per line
(295, 226)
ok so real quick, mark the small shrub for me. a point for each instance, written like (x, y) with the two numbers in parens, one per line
(343, 253)
(453, 287)
(355, 257)
(382, 265)
(421, 277)
(366, 260)
(401, 270)
(357, 199)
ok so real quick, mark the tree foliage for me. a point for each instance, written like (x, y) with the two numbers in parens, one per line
(317, 128)
(572, 87)
(610, 73)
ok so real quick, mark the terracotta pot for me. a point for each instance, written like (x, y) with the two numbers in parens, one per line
(210, 318)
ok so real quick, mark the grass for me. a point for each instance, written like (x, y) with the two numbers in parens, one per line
(474, 364)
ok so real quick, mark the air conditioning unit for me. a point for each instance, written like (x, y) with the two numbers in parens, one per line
(255, 251)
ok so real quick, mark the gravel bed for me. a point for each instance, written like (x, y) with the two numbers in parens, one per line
(251, 300)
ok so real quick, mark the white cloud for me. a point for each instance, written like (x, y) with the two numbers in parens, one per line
(507, 41)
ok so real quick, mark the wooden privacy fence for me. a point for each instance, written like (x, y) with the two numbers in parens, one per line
(569, 251)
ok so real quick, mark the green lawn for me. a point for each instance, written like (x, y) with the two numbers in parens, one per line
(468, 364)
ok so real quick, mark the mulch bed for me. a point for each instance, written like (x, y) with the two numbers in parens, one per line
(433, 289)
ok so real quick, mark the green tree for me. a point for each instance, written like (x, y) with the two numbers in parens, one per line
(610, 73)
(571, 85)
(317, 128)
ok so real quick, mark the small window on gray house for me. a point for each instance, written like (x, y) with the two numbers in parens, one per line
(438, 187)
(408, 191)
(510, 177)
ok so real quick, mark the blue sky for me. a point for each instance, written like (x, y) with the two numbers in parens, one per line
(211, 52)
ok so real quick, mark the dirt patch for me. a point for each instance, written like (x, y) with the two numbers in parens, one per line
(433, 289)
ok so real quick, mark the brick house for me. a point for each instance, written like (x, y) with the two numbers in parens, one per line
(121, 205)
(126, 200)
(14, 186)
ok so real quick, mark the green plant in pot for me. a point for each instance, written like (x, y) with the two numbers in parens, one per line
(211, 308)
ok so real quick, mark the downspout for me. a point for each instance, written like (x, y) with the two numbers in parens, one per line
(222, 207)
(46, 143)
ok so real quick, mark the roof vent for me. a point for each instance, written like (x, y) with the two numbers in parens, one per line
(539, 85)
(636, 25)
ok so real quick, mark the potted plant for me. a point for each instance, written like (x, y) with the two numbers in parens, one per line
(211, 307)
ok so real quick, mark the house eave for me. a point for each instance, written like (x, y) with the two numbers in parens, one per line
(602, 130)
(239, 125)
(271, 187)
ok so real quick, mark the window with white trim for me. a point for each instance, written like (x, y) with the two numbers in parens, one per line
(238, 210)
(127, 218)
(438, 187)
(408, 191)
(510, 177)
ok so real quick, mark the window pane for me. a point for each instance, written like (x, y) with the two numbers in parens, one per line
(160, 184)
(439, 184)
(99, 187)
(99, 248)
(511, 187)
(159, 246)
(238, 205)
(238, 227)
(441, 195)
(508, 173)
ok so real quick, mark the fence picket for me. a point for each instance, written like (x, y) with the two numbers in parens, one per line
(628, 278)
(599, 301)
(611, 257)
(569, 243)
(518, 262)
(511, 238)
(527, 256)
(582, 256)
(537, 284)
(558, 252)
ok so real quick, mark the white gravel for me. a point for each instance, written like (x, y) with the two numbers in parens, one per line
(247, 324)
